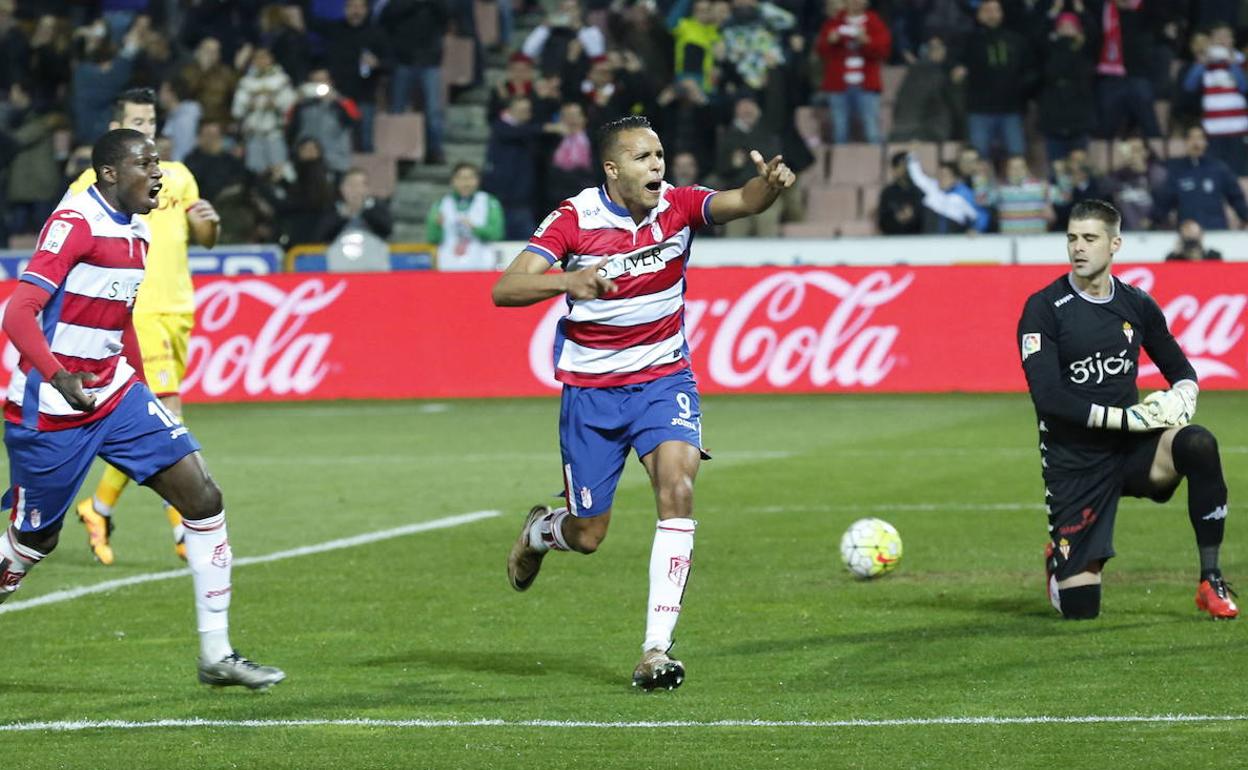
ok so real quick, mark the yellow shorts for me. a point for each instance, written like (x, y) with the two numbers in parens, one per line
(163, 339)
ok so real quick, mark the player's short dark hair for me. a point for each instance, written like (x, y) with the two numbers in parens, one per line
(898, 159)
(113, 147)
(608, 134)
(1100, 210)
(463, 164)
(132, 96)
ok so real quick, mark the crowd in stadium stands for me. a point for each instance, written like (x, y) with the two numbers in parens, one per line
(901, 116)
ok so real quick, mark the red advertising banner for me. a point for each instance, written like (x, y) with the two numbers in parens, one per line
(755, 330)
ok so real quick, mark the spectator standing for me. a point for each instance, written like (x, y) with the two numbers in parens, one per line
(753, 44)
(1000, 72)
(261, 101)
(210, 81)
(518, 80)
(1128, 31)
(14, 48)
(511, 166)
(948, 203)
(326, 116)
(356, 52)
(1067, 103)
(569, 162)
(1218, 77)
(415, 30)
(49, 68)
(34, 182)
(99, 78)
(697, 39)
(305, 200)
(181, 119)
(283, 32)
(562, 44)
(464, 222)
(927, 104)
(853, 43)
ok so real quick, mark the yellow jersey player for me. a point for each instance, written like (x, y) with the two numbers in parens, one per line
(164, 311)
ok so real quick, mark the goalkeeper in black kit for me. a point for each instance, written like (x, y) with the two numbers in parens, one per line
(1080, 339)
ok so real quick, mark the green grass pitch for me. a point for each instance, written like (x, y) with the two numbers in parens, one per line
(423, 626)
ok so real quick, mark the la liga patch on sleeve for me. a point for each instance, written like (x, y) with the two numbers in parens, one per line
(1031, 344)
(58, 231)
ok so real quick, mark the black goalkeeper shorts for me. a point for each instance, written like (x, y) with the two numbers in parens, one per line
(1082, 508)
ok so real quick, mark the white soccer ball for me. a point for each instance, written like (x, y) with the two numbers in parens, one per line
(870, 548)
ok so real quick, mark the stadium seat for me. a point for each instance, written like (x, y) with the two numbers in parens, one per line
(808, 229)
(485, 14)
(855, 164)
(869, 195)
(458, 61)
(831, 204)
(400, 136)
(817, 174)
(382, 174)
(856, 228)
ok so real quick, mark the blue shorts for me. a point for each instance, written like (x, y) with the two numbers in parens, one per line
(597, 426)
(46, 468)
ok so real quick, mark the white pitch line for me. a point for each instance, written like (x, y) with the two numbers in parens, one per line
(118, 724)
(307, 550)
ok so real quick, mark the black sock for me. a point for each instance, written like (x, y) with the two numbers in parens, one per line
(1081, 602)
(1195, 452)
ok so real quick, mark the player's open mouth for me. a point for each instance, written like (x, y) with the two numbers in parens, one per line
(154, 190)
(654, 186)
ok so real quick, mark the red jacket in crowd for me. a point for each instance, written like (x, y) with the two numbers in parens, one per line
(849, 61)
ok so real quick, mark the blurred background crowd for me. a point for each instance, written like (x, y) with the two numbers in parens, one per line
(460, 122)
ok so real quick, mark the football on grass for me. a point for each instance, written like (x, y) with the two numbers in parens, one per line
(871, 548)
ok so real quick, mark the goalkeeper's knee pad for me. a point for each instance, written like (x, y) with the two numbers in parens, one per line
(1195, 449)
(1080, 602)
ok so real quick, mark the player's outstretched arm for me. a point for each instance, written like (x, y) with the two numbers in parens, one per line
(756, 195)
(527, 282)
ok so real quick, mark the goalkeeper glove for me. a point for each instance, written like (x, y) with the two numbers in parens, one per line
(1177, 405)
(1140, 418)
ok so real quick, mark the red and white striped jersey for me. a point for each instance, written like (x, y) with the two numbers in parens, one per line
(635, 334)
(90, 258)
(1224, 109)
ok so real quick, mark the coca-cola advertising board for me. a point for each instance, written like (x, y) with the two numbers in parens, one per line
(750, 330)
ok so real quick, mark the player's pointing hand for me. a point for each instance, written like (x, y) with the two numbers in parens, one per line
(588, 283)
(774, 171)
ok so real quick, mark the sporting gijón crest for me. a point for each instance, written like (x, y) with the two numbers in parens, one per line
(678, 570)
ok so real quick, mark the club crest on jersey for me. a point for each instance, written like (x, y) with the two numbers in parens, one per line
(678, 570)
(1064, 546)
(1031, 344)
(1127, 331)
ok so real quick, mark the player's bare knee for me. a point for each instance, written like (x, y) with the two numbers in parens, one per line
(586, 534)
(676, 498)
(203, 502)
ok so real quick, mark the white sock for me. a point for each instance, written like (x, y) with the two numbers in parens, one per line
(100, 507)
(547, 532)
(15, 561)
(209, 557)
(670, 559)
